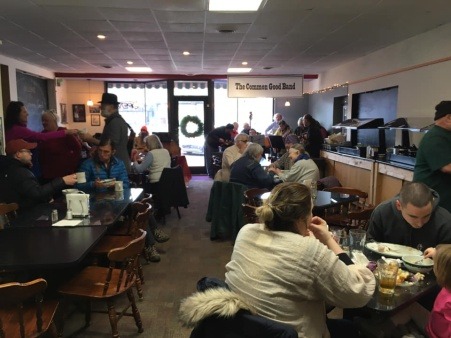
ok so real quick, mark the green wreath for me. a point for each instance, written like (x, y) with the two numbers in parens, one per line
(191, 119)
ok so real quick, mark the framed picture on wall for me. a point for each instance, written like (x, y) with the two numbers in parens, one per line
(94, 109)
(79, 112)
(63, 113)
(95, 120)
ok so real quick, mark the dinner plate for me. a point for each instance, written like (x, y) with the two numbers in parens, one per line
(392, 250)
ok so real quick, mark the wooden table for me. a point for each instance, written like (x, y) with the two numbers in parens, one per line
(104, 208)
(35, 244)
(46, 247)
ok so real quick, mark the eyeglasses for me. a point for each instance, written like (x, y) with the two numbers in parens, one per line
(245, 141)
(25, 151)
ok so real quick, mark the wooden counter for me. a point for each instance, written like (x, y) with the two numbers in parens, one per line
(380, 180)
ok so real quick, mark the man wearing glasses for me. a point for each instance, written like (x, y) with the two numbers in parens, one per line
(230, 155)
(19, 185)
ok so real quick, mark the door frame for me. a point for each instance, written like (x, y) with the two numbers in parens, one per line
(174, 121)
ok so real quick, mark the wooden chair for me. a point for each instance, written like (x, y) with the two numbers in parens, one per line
(19, 318)
(251, 194)
(353, 215)
(249, 214)
(7, 213)
(96, 283)
(109, 242)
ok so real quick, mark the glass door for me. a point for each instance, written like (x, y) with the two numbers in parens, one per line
(191, 111)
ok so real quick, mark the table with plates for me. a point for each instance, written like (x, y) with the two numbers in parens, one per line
(405, 293)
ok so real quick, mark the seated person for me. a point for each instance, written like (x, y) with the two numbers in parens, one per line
(303, 167)
(139, 145)
(156, 159)
(253, 132)
(289, 266)
(246, 128)
(248, 171)
(19, 185)
(413, 218)
(285, 162)
(230, 155)
(103, 165)
(284, 130)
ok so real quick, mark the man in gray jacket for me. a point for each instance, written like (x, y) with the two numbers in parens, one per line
(412, 218)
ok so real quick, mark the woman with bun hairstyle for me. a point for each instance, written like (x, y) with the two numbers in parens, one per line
(289, 266)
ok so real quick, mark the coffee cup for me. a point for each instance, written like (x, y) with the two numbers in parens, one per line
(81, 177)
(118, 186)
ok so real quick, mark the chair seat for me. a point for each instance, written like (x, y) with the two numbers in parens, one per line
(87, 284)
(9, 319)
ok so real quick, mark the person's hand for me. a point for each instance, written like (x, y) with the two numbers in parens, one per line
(430, 253)
(70, 179)
(71, 131)
(320, 229)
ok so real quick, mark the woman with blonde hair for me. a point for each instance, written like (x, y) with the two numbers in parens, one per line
(289, 266)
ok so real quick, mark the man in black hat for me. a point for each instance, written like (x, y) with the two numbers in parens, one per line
(433, 161)
(116, 129)
(218, 137)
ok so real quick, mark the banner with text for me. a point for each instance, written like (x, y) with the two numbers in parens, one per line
(242, 86)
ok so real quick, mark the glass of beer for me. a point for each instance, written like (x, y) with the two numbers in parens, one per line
(387, 271)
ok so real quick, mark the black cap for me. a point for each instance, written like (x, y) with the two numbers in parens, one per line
(230, 126)
(442, 109)
(109, 98)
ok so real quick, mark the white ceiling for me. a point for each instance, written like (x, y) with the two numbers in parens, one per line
(287, 36)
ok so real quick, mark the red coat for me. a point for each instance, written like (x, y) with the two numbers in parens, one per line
(59, 157)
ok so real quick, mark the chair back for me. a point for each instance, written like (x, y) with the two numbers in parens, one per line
(7, 213)
(15, 319)
(141, 220)
(125, 258)
(251, 194)
(172, 188)
(360, 219)
(352, 191)
(249, 214)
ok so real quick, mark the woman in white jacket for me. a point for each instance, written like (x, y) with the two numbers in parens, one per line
(289, 266)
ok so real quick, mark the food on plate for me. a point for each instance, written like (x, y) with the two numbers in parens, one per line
(408, 278)
(383, 248)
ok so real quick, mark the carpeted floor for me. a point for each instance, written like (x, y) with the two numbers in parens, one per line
(185, 258)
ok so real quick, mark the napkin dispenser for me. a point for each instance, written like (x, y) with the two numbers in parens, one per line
(78, 204)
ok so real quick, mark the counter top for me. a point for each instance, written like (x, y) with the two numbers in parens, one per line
(391, 163)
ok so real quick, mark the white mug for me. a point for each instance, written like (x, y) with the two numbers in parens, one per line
(81, 177)
(118, 186)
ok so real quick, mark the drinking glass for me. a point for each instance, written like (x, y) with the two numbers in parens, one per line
(387, 271)
(342, 238)
(357, 239)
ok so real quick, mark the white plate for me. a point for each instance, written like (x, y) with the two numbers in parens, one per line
(395, 250)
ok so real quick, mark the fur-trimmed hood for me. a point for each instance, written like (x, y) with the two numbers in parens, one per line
(217, 301)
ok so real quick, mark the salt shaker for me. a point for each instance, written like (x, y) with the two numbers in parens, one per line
(54, 216)
(69, 214)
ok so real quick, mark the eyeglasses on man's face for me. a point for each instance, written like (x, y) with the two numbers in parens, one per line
(25, 151)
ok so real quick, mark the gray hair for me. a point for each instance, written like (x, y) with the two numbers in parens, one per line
(241, 137)
(52, 114)
(253, 150)
(153, 142)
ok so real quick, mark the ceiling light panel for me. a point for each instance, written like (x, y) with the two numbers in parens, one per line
(234, 5)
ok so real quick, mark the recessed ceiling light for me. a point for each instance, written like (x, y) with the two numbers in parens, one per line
(101, 37)
(239, 70)
(244, 63)
(186, 53)
(139, 69)
(129, 62)
(234, 5)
